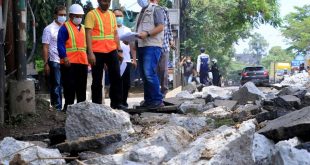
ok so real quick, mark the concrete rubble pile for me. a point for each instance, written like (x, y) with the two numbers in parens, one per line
(297, 80)
(213, 125)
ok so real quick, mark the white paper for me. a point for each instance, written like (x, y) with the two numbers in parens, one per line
(123, 67)
(129, 36)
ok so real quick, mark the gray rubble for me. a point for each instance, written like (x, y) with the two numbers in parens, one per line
(27, 152)
(216, 92)
(293, 124)
(248, 93)
(218, 113)
(88, 119)
(229, 104)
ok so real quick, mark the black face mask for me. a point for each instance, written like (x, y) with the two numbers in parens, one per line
(104, 7)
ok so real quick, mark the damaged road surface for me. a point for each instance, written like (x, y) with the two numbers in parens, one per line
(209, 125)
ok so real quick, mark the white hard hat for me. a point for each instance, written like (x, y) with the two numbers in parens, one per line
(76, 9)
(214, 60)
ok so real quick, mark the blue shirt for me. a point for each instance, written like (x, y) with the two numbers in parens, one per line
(63, 36)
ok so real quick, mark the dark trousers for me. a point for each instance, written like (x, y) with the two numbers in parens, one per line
(162, 72)
(115, 93)
(126, 83)
(204, 77)
(74, 80)
(55, 85)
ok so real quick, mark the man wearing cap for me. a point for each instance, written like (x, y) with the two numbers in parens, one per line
(71, 45)
(203, 62)
(103, 47)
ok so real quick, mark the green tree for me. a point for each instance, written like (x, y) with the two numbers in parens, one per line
(297, 28)
(217, 24)
(257, 47)
(277, 54)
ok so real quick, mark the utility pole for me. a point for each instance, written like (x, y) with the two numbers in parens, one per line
(21, 91)
(176, 28)
(21, 43)
(2, 72)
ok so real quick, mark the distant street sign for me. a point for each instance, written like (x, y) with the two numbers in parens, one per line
(296, 63)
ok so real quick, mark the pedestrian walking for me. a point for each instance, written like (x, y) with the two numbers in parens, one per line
(203, 61)
(216, 76)
(51, 57)
(71, 44)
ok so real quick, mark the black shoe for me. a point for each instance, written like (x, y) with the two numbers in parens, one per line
(155, 106)
(122, 107)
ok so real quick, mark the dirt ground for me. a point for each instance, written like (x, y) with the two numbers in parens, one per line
(43, 121)
(28, 124)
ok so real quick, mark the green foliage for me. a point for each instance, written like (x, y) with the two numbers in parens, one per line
(277, 54)
(297, 28)
(257, 47)
(217, 24)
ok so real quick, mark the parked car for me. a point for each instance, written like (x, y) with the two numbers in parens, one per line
(257, 74)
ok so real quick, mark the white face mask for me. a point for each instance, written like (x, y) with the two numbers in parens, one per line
(77, 21)
(143, 3)
(61, 19)
(188, 61)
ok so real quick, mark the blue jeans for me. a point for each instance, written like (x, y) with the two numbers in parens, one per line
(55, 90)
(148, 61)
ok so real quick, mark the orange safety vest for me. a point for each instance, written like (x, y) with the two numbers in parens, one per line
(103, 32)
(76, 44)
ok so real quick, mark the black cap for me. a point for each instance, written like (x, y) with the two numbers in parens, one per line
(202, 50)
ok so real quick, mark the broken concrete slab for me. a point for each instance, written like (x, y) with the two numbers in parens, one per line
(27, 152)
(89, 143)
(288, 155)
(288, 91)
(273, 113)
(230, 104)
(198, 95)
(88, 119)
(86, 155)
(216, 92)
(174, 92)
(246, 112)
(116, 159)
(185, 95)
(191, 88)
(296, 123)
(248, 93)
(173, 138)
(193, 124)
(149, 155)
(190, 107)
(288, 101)
(263, 149)
(225, 145)
(218, 113)
(151, 118)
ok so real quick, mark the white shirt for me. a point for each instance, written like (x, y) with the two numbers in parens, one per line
(199, 60)
(126, 48)
(49, 37)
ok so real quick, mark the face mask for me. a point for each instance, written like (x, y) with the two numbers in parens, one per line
(104, 7)
(77, 21)
(188, 61)
(143, 3)
(61, 19)
(119, 20)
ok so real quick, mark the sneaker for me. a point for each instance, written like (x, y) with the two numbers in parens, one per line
(120, 106)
